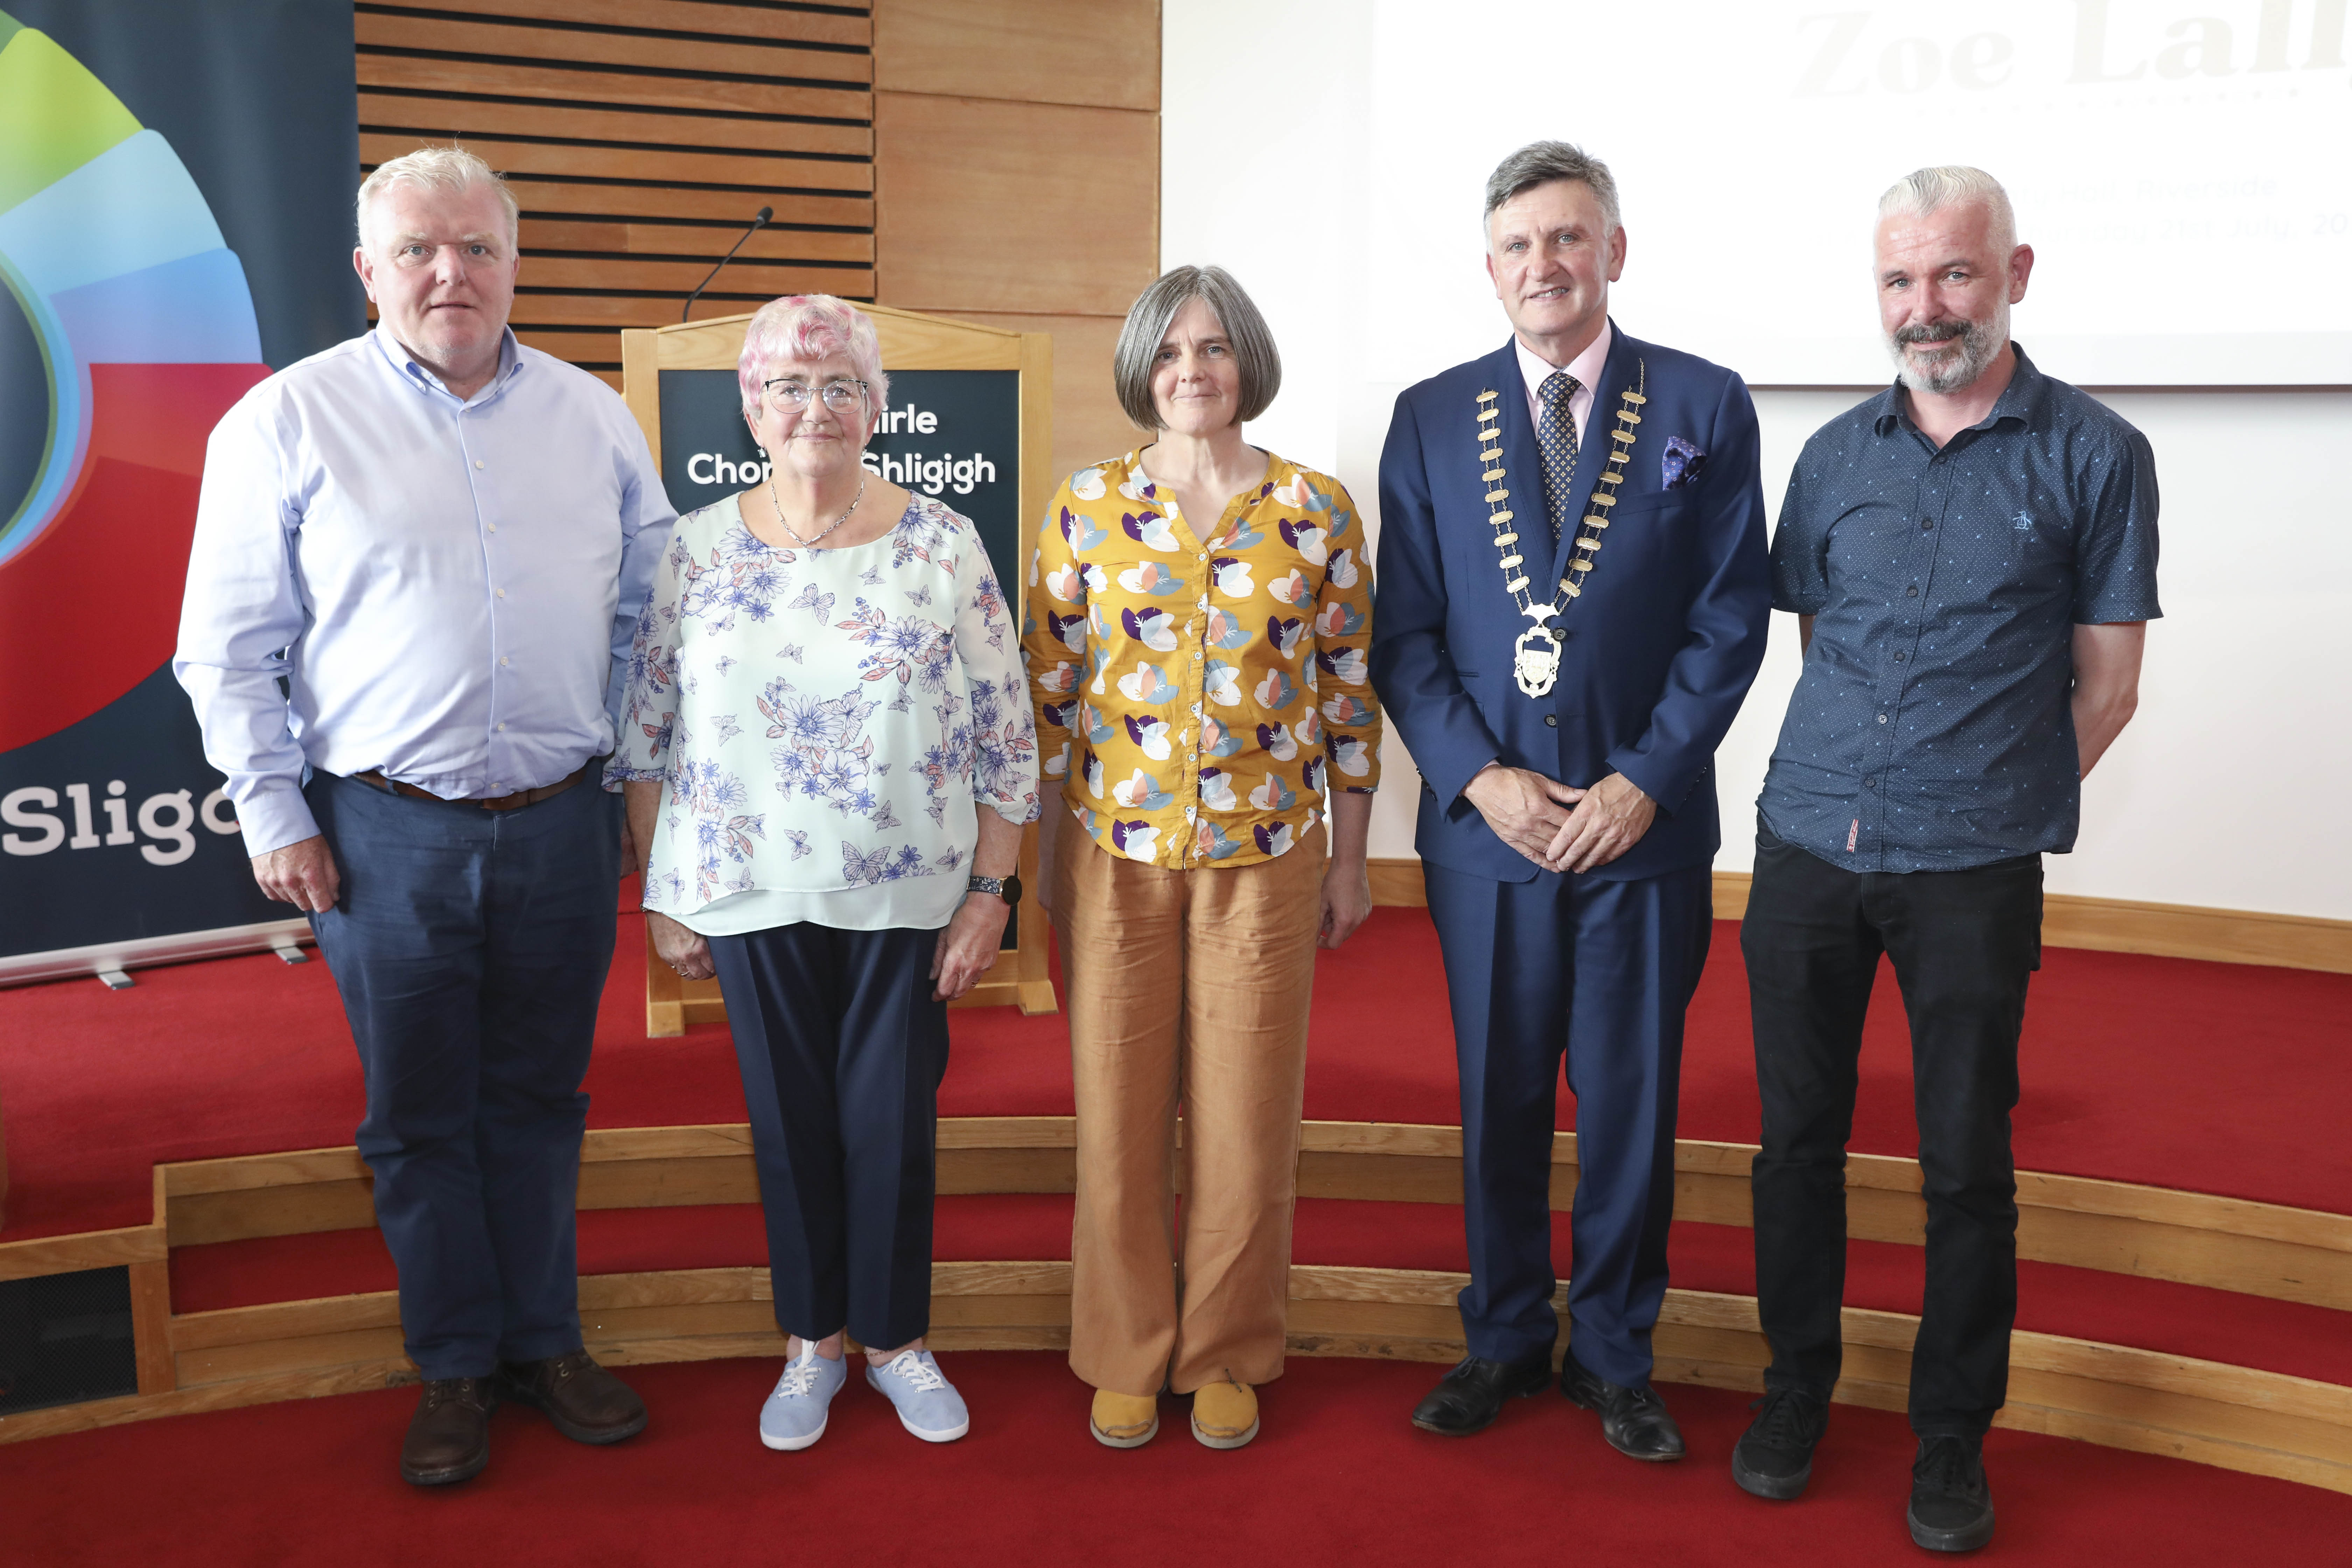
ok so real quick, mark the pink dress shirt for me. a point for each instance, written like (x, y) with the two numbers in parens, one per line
(1586, 367)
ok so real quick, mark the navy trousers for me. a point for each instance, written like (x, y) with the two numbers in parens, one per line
(470, 948)
(842, 1050)
(1598, 972)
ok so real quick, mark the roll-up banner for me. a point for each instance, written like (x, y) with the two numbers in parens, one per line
(176, 221)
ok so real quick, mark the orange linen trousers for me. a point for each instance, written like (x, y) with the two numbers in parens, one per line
(1190, 988)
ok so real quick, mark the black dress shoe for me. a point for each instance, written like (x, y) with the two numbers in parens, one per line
(1775, 1459)
(586, 1403)
(1951, 1505)
(449, 1438)
(1634, 1420)
(1468, 1398)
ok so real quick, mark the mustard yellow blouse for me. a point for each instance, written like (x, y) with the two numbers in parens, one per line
(1197, 689)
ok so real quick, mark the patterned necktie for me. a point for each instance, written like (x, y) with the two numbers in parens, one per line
(1556, 434)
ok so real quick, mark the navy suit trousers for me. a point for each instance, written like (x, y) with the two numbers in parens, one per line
(470, 948)
(841, 1049)
(1598, 972)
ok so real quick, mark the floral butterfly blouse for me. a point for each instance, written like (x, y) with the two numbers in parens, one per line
(826, 721)
(1198, 689)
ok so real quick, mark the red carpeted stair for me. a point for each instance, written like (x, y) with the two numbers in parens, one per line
(2210, 1078)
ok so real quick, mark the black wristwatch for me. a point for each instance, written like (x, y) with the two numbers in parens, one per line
(1006, 888)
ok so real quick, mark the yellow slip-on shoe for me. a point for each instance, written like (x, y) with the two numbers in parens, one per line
(1124, 1420)
(1224, 1415)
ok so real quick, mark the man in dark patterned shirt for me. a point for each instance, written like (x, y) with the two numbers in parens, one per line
(1972, 555)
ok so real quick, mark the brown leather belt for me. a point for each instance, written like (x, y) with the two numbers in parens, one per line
(514, 802)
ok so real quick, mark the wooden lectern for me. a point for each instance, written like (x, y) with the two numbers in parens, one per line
(652, 359)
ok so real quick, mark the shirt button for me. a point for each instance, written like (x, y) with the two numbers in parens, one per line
(477, 462)
(1882, 719)
(1870, 784)
(1911, 592)
(1926, 523)
(494, 528)
(502, 660)
(1551, 721)
(502, 729)
(1898, 658)
(502, 593)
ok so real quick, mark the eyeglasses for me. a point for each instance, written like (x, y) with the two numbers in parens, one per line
(793, 396)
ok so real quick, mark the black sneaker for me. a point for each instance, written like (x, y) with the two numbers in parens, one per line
(1775, 1459)
(1951, 1505)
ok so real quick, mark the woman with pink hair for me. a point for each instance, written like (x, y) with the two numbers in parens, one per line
(828, 760)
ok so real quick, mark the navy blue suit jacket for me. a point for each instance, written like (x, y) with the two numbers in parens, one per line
(1661, 647)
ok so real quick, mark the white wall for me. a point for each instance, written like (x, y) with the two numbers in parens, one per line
(2231, 788)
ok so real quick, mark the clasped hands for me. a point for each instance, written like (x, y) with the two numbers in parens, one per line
(1559, 826)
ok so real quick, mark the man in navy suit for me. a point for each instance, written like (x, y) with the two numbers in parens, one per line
(1574, 590)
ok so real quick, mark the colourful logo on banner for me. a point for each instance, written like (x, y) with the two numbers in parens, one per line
(126, 330)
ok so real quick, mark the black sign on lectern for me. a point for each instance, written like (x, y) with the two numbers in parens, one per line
(952, 434)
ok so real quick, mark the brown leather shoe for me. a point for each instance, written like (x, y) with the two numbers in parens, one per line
(587, 1404)
(449, 1438)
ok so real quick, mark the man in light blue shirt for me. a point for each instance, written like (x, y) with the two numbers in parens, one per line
(419, 558)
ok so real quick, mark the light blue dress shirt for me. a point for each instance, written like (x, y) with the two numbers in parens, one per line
(448, 588)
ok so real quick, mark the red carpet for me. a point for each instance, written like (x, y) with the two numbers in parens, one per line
(1338, 1477)
(2205, 1077)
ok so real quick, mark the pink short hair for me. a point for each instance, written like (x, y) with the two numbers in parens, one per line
(810, 327)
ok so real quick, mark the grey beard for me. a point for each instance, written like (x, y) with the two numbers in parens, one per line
(1964, 359)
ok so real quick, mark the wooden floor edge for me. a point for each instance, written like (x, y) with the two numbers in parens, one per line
(2055, 1192)
(1705, 1338)
(2068, 920)
(44, 1255)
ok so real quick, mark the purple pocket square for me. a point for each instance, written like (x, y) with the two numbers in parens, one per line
(1682, 465)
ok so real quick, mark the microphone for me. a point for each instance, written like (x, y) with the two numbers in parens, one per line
(759, 222)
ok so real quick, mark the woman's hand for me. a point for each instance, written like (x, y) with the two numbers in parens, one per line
(1346, 901)
(679, 948)
(967, 947)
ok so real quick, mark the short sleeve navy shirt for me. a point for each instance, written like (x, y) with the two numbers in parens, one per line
(1932, 728)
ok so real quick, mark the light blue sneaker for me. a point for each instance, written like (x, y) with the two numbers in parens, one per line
(795, 1413)
(928, 1405)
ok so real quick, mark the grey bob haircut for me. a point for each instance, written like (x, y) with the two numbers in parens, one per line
(1148, 321)
(1541, 163)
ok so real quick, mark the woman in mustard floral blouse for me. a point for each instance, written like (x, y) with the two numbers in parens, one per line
(1199, 617)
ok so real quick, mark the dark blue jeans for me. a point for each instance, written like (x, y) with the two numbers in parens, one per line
(471, 947)
(1964, 945)
(842, 1050)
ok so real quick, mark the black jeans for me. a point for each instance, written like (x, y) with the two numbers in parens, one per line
(1964, 945)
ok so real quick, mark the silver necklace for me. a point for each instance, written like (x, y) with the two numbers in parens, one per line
(819, 534)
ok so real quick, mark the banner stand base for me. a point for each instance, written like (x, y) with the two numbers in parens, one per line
(111, 961)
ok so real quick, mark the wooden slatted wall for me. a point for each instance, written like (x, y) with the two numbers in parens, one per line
(1017, 181)
(640, 136)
